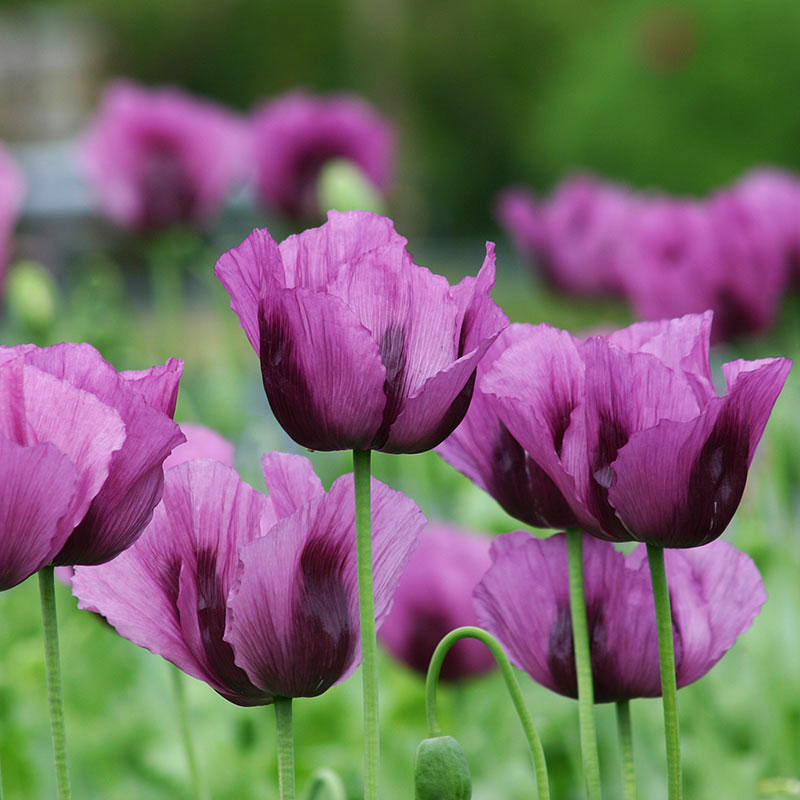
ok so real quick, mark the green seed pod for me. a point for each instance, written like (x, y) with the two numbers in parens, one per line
(441, 771)
(343, 186)
(31, 295)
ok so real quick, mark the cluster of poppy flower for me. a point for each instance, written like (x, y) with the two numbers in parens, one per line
(156, 157)
(734, 252)
(360, 348)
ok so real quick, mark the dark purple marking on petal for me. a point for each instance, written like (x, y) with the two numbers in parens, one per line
(608, 687)
(211, 610)
(323, 638)
(733, 316)
(393, 356)
(451, 419)
(288, 391)
(612, 436)
(718, 477)
(522, 487)
(168, 193)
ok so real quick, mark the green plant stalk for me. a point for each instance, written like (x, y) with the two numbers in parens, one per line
(366, 612)
(626, 748)
(666, 655)
(432, 682)
(198, 788)
(285, 740)
(50, 625)
(583, 664)
(323, 780)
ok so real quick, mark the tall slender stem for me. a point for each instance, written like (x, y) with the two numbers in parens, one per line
(366, 610)
(626, 748)
(50, 625)
(666, 654)
(198, 788)
(432, 682)
(326, 780)
(285, 739)
(583, 664)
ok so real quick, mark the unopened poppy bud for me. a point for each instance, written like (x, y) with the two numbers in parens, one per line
(344, 186)
(441, 771)
(31, 295)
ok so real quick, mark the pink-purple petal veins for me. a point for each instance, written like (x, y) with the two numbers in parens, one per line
(524, 600)
(435, 597)
(716, 594)
(321, 370)
(484, 449)
(158, 385)
(168, 592)
(201, 442)
(536, 387)
(296, 134)
(625, 393)
(39, 489)
(291, 482)
(293, 613)
(123, 506)
(246, 271)
(693, 472)
(681, 344)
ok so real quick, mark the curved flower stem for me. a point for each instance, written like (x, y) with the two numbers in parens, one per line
(626, 747)
(666, 654)
(324, 779)
(285, 739)
(432, 681)
(583, 664)
(198, 788)
(50, 625)
(366, 611)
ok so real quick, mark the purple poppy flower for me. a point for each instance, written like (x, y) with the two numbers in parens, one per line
(773, 197)
(360, 348)
(484, 450)
(12, 189)
(630, 429)
(523, 600)
(254, 595)
(296, 134)
(520, 215)
(584, 222)
(82, 452)
(201, 442)
(435, 597)
(156, 157)
(682, 257)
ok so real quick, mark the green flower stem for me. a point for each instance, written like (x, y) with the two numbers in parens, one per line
(285, 739)
(626, 748)
(432, 682)
(583, 664)
(198, 788)
(50, 624)
(366, 611)
(666, 654)
(326, 780)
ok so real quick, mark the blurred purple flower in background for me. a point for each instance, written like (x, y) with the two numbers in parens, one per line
(83, 448)
(296, 134)
(630, 429)
(523, 600)
(360, 348)
(255, 596)
(435, 597)
(201, 442)
(156, 157)
(12, 189)
(576, 234)
(484, 450)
